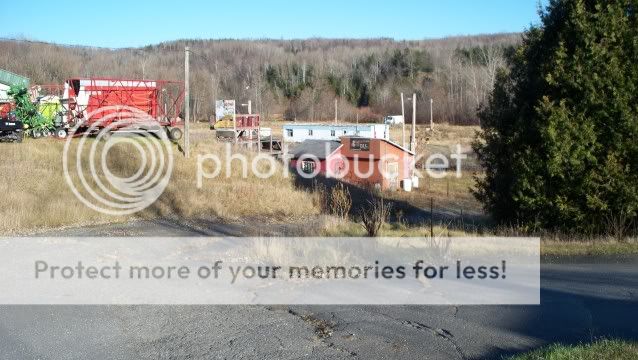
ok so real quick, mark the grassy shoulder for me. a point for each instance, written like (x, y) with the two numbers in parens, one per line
(550, 248)
(603, 247)
(603, 349)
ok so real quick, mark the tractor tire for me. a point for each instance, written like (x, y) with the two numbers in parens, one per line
(162, 134)
(175, 134)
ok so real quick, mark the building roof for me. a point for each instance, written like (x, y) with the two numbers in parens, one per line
(315, 125)
(319, 148)
(9, 78)
(399, 146)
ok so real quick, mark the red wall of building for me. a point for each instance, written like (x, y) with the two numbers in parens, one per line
(371, 161)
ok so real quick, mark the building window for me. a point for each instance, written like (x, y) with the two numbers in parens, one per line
(332, 132)
(310, 132)
(308, 166)
(289, 132)
(392, 174)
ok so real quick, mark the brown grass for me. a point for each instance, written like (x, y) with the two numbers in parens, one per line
(36, 195)
(597, 247)
(554, 247)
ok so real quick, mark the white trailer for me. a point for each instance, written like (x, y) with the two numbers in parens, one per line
(302, 132)
(394, 120)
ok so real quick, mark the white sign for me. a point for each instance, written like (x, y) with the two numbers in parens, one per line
(224, 109)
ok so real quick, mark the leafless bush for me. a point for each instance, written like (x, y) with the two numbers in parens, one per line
(340, 201)
(619, 225)
(374, 216)
(321, 197)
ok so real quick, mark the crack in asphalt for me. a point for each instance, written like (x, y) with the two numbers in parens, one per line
(322, 328)
(443, 333)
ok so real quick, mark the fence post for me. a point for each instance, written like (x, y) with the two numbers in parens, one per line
(432, 218)
(187, 99)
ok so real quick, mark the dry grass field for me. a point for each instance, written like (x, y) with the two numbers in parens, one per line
(37, 197)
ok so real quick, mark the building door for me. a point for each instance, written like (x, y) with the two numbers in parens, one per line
(392, 173)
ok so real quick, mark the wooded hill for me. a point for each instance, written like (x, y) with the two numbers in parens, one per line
(294, 79)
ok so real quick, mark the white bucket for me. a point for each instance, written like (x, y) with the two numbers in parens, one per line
(406, 185)
(415, 182)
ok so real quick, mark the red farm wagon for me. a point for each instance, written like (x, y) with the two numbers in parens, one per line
(103, 104)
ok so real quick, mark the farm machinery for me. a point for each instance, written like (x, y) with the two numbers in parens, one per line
(99, 104)
(232, 127)
(102, 104)
(83, 105)
(47, 103)
(11, 129)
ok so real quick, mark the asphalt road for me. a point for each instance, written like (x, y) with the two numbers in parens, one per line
(581, 300)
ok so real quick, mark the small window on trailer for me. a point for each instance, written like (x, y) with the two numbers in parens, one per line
(289, 132)
(333, 132)
(310, 132)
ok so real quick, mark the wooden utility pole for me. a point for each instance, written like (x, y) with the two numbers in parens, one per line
(336, 109)
(403, 124)
(413, 132)
(187, 96)
(431, 115)
(258, 138)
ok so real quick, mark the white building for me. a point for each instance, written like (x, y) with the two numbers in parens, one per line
(393, 120)
(302, 132)
(3, 93)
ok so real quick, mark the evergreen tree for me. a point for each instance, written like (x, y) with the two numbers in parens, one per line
(560, 132)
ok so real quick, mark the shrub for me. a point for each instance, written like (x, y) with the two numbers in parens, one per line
(340, 201)
(374, 215)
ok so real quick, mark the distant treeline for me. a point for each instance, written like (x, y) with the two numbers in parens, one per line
(295, 79)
